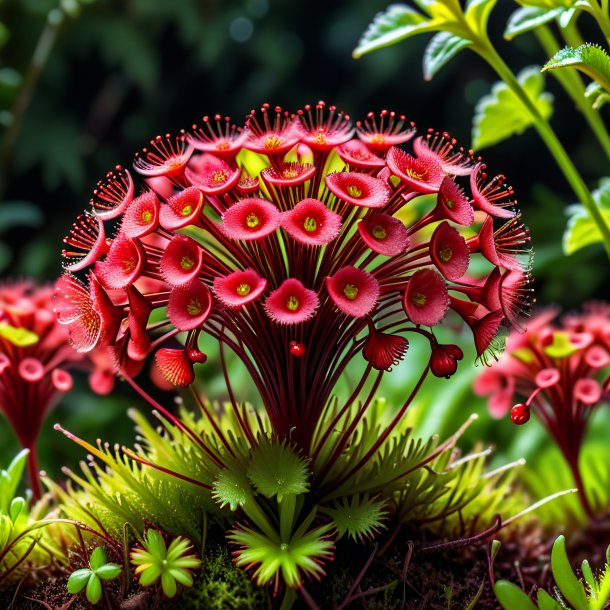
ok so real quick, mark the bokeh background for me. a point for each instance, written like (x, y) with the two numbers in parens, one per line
(98, 79)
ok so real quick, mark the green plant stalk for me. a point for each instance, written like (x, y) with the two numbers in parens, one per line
(574, 87)
(484, 48)
(600, 16)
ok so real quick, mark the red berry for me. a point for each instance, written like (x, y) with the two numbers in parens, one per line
(520, 414)
(297, 349)
(197, 356)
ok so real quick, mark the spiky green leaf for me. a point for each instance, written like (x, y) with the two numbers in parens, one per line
(501, 114)
(529, 18)
(232, 489)
(440, 50)
(588, 58)
(275, 469)
(396, 23)
(511, 596)
(581, 229)
(358, 517)
(571, 588)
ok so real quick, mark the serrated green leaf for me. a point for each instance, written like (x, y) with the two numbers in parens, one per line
(587, 573)
(588, 58)
(231, 489)
(501, 114)
(512, 597)
(441, 49)
(581, 229)
(396, 23)
(546, 602)
(276, 470)
(477, 14)
(358, 517)
(78, 580)
(528, 18)
(571, 588)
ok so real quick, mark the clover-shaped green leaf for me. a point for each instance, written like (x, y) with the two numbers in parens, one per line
(173, 564)
(91, 578)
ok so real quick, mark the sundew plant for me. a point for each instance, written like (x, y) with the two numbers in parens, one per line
(324, 330)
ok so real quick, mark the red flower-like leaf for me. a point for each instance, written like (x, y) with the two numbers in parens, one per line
(182, 209)
(123, 263)
(357, 155)
(455, 162)
(493, 197)
(423, 174)
(353, 291)
(444, 359)
(449, 251)
(426, 300)
(323, 128)
(250, 219)
(141, 216)
(181, 261)
(379, 134)
(212, 175)
(291, 303)
(165, 156)
(189, 306)
(239, 287)
(175, 366)
(85, 242)
(288, 174)
(359, 189)
(384, 234)
(113, 194)
(452, 204)
(218, 136)
(311, 223)
(382, 350)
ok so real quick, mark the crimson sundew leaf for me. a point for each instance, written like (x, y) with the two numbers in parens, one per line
(588, 58)
(570, 587)
(501, 114)
(443, 47)
(391, 26)
(528, 18)
(511, 596)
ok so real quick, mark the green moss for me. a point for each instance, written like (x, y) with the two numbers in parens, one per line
(220, 586)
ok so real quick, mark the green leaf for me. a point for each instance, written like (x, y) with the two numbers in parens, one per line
(588, 58)
(10, 479)
(98, 558)
(94, 589)
(155, 544)
(441, 49)
(357, 517)
(109, 571)
(598, 94)
(17, 505)
(276, 470)
(391, 26)
(477, 14)
(528, 18)
(21, 337)
(78, 580)
(546, 602)
(587, 573)
(571, 588)
(231, 489)
(581, 229)
(501, 114)
(512, 597)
